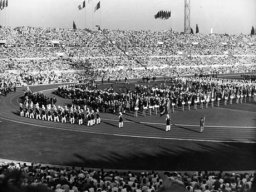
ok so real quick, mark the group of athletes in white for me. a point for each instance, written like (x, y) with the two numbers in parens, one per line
(73, 114)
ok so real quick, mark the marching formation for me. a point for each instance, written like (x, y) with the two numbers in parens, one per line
(40, 107)
(173, 94)
(88, 101)
(31, 56)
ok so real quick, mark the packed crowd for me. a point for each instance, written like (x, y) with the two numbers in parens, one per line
(33, 42)
(169, 43)
(48, 71)
(74, 179)
(44, 56)
(48, 42)
(42, 71)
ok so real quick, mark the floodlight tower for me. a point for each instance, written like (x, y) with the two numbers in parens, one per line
(187, 17)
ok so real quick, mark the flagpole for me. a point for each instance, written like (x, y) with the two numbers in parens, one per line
(0, 14)
(92, 16)
(85, 18)
(101, 15)
(3, 18)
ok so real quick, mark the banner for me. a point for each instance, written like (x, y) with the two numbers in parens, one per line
(97, 6)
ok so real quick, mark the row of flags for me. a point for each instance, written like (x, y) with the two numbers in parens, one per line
(163, 15)
(3, 4)
(83, 5)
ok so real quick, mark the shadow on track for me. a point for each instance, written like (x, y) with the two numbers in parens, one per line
(145, 124)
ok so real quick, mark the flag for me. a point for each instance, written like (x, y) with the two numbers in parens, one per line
(197, 29)
(191, 31)
(252, 31)
(80, 7)
(74, 25)
(163, 15)
(3, 4)
(97, 6)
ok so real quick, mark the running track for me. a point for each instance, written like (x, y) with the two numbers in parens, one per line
(231, 129)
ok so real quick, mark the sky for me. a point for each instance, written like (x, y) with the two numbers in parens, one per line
(224, 16)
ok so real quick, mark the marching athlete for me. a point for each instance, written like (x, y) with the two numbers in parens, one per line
(38, 116)
(121, 121)
(80, 118)
(98, 117)
(43, 113)
(71, 117)
(92, 118)
(88, 118)
(63, 117)
(202, 124)
(31, 113)
(49, 114)
(168, 123)
(56, 116)
(136, 109)
(22, 112)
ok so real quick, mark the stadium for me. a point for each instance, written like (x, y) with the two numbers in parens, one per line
(91, 107)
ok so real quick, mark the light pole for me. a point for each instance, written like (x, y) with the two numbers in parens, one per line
(187, 17)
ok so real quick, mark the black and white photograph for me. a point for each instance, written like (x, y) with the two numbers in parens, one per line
(127, 95)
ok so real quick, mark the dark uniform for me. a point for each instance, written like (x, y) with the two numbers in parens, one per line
(202, 124)
(121, 121)
(168, 123)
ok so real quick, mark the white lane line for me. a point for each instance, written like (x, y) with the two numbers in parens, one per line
(184, 125)
(63, 84)
(236, 110)
(40, 85)
(115, 120)
(188, 125)
(176, 124)
(131, 136)
(46, 90)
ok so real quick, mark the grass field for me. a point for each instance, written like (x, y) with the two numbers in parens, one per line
(228, 143)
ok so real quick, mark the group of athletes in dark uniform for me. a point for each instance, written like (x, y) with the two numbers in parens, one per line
(177, 93)
(7, 87)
